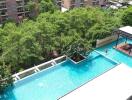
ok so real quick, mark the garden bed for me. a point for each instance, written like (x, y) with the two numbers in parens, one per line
(77, 58)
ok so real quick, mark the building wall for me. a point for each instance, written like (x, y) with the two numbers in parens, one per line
(88, 2)
(103, 2)
(3, 10)
(66, 3)
(96, 2)
(14, 10)
(77, 3)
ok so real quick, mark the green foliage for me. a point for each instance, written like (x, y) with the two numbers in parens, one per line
(47, 6)
(80, 46)
(19, 46)
(30, 5)
(33, 42)
(5, 78)
(127, 17)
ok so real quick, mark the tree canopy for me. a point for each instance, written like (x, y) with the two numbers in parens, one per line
(127, 17)
(34, 41)
(5, 78)
(47, 6)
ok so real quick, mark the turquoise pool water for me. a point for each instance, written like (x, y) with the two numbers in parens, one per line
(115, 54)
(57, 81)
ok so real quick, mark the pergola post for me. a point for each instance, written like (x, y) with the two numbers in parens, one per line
(126, 40)
(117, 40)
(130, 51)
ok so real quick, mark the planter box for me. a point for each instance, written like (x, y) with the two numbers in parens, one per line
(76, 62)
(101, 42)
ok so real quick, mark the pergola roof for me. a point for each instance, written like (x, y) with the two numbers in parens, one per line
(126, 31)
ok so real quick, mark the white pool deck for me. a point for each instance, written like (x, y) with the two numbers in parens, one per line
(115, 84)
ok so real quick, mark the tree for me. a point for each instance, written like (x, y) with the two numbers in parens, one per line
(80, 46)
(47, 6)
(127, 17)
(20, 49)
(46, 37)
(5, 78)
(35, 41)
(30, 5)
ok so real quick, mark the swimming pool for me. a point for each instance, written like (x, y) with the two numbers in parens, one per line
(115, 54)
(59, 80)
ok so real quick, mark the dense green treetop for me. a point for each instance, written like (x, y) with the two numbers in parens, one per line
(32, 42)
(127, 17)
(5, 78)
(47, 6)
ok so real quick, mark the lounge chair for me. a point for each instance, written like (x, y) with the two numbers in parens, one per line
(127, 47)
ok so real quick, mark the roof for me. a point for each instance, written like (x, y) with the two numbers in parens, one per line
(126, 29)
(115, 84)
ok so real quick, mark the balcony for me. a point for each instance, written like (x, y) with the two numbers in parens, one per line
(2, 1)
(20, 4)
(73, 2)
(2, 6)
(3, 14)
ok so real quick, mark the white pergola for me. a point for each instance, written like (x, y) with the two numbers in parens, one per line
(125, 31)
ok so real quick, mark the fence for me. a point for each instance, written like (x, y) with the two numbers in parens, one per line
(38, 68)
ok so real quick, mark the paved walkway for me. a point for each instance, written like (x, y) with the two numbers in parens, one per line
(115, 84)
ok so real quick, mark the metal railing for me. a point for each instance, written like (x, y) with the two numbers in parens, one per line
(38, 68)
